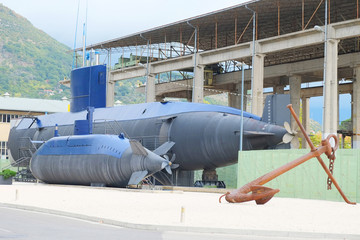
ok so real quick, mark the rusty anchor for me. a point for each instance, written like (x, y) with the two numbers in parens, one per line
(261, 195)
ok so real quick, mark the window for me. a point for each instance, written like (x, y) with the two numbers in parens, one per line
(7, 117)
(3, 150)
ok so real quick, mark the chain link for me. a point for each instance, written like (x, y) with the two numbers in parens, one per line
(331, 168)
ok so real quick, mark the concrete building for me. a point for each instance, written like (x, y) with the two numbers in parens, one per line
(307, 46)
(13, 108)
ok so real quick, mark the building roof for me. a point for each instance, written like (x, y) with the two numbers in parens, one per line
(33, 105)
(233, 25)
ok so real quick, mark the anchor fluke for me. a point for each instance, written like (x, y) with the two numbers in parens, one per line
(262, 194)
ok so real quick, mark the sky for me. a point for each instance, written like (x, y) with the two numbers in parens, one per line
(109, 19)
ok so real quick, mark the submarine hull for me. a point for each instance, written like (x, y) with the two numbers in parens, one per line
(205, 136)
(92, 159)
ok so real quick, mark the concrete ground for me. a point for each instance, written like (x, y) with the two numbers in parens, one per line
(175, 210)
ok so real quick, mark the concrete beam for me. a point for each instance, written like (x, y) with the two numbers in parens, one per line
(170, 89)
(346, 29)
(299, 68)
(226, 54)
(290, 41)
(318, 91)
(230, 78)
(173, 64)
(127, 73)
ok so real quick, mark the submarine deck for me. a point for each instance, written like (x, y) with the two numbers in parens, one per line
(162, 210)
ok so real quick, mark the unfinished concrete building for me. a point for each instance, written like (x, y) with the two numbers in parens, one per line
(285, 44)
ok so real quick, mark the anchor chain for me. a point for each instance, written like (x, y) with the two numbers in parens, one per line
(331, 167)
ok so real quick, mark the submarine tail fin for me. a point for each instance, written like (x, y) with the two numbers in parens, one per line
(164, 148)
(137, 148)
(275, 110)
(137, 177)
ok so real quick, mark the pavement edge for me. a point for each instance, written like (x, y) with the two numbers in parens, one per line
(171, 228)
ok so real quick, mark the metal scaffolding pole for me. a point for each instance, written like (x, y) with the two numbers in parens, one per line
(253, 55)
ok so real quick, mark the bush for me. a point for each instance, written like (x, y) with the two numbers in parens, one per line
(7, 173)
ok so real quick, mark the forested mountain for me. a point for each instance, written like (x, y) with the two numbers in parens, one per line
(31, 62)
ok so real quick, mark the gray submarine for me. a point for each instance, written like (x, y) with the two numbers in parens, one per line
(194, 136)
(95, 159)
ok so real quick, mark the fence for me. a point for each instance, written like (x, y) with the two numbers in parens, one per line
(308, 180)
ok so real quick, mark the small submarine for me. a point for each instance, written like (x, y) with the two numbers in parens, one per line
(95, 159)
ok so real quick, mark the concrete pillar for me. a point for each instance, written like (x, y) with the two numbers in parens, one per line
(110, 92)
(356, 108)
(295, 89)
(279, 86)
(198, 91)
(235, 100)
(305, 119)
(279, 89)
(330, 116)
(257, 104)
(247, 100)
(150, 88)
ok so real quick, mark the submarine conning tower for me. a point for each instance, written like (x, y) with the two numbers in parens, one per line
(88, 88)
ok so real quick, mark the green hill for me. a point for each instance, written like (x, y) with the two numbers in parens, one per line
(31, 62)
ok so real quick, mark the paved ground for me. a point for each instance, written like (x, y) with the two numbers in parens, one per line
(161, 210)
(25, 225)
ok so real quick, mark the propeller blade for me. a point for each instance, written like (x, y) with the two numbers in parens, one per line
(287, 138)
(167, 166)
(287, 127)
(168, 169)
(174, 166)
(164, 148)
(173, 158)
